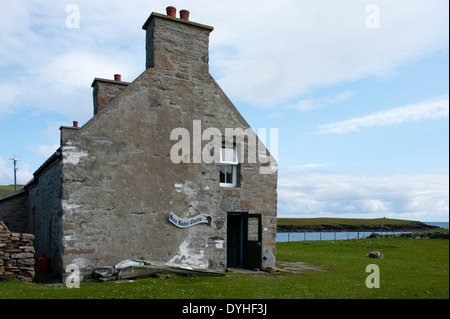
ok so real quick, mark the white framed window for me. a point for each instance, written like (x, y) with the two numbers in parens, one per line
(228, 167)
(228, 155)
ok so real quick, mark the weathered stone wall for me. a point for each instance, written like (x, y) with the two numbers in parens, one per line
(17, 255)
(14, 211)
(120, 183)
(45, 213)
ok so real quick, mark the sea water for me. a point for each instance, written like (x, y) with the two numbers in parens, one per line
(305, 236)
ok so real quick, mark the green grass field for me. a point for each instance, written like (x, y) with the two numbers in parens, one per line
(410, 269)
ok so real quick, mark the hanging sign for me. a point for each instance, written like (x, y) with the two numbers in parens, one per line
(188, 222)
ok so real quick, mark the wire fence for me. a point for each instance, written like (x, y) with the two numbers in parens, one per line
(304, 236)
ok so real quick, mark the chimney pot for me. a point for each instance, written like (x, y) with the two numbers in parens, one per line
(184, 14)
(75, 123)
(117, 77)
(171, 11)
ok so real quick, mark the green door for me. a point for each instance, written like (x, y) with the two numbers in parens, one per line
(252, 241)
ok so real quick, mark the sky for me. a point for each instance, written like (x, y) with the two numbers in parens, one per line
(358, 90)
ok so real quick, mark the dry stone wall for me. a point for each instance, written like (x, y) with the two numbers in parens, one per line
(16, 255)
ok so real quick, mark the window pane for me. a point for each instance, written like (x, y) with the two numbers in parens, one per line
(229, 178)
(253, 228)
(222, 154)
(222, 173)
(228, 174)
(228, 155)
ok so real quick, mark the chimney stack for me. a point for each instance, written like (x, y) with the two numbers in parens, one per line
(184, 14)
(75, 123)
(171, 11)
(105, 90)
(177, 44)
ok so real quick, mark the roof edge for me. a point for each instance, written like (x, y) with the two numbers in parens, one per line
(163, 16)
(109, 81)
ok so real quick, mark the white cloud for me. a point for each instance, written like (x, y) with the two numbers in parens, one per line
(321, 194)
(265, 52)
(414, 112)
(9, 92)
(56, 65)
(311, 165)
(43, 150)
(70, 76)
(274, 115)
(312, 104)
(274, 52)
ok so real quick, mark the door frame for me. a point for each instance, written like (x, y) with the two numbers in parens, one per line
(245, 232)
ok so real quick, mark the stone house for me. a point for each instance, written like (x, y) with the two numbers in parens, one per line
(154, 174)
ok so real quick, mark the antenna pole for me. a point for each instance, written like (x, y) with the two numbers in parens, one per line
(15, 178)
(15, 160)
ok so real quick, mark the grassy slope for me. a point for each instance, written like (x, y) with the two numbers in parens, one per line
(5, 190)
(341, 221)
(410, 269)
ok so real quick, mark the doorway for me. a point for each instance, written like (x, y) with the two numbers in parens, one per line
(244, 240)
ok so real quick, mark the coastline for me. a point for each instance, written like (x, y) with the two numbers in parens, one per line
(416, 226)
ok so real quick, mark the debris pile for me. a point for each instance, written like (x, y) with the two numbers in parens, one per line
(138, 268)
